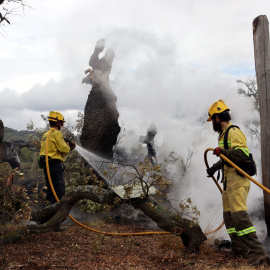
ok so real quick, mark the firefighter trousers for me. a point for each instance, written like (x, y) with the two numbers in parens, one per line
(243, 234)
(56, 172)
(238, 224)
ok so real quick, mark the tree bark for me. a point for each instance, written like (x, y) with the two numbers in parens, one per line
(262, 65)
(1, 131)
(101, 128)
(190, 233)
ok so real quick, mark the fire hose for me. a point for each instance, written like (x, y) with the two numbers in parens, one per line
(239, 170)
(72, 218)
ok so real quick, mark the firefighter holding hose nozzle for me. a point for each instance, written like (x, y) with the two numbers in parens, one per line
(58, 149)
(232, 144)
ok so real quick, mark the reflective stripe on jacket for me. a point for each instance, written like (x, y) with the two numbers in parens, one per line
(236, 139)
(57, 148)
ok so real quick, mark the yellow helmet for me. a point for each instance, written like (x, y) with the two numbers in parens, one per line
(56, 116)
(216, 108)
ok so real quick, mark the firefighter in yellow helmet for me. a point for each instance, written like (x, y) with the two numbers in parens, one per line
(243, 236)
(58, 149)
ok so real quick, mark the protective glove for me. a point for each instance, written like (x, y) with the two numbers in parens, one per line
(217, 151)
(72, 145)
(211, 171)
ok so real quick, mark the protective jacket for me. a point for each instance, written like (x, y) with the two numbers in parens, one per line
(57, 151)
(57, 148)
(238, 151)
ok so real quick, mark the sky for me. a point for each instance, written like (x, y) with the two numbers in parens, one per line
(174, 58)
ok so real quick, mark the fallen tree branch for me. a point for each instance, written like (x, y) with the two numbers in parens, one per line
(190, 233)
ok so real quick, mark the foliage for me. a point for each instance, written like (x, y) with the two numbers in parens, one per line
(248, 88)
(146, 176)
(131, 175)
(37, 133)
(15, 200)
(32, 172)
(187, 209)
(69, 130)
(26, 155)
(78, 173)
(12, 134)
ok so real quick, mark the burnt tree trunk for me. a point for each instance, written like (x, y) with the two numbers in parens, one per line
(101, 128)
(262, 64)
(190, 233)
(1, 131)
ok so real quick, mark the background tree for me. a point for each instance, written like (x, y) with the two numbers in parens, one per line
(9, 8)
(248, 88)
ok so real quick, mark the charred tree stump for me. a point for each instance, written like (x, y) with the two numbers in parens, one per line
(262, 65)
(101, 128)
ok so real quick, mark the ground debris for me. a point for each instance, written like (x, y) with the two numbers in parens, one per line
(77, 248)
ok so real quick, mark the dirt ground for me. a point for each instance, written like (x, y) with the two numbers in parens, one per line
(81, 249)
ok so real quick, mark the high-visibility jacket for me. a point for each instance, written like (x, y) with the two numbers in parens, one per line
(236, 140)
(236, 187)
(57, 147)
(238, 151)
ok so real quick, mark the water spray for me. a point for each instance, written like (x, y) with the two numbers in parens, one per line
(72, 218)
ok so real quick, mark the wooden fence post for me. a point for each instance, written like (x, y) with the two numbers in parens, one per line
(262, 65)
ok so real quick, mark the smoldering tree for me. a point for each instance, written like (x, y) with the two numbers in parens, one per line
(101, 127)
